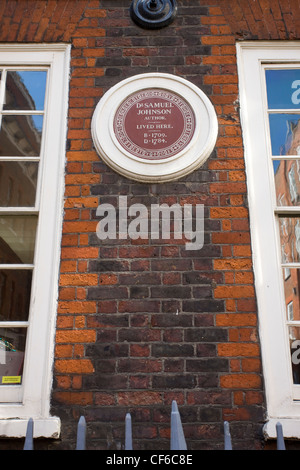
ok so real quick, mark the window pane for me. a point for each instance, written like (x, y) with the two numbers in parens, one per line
(291, 280)
(21, 135)
(285, 134)
(25, 90)
(15, 289)
(289, 229)
(287, 182)
(17, 238)
(18, 181)
(283, 88)
(294, 340)
(12, 350)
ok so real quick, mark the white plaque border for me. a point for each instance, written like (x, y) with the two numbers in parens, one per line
(154, 171)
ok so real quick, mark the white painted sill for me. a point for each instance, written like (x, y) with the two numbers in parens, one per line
(42, 427)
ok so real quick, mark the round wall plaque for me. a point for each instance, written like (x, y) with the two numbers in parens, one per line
(154, 124)
(154, 127)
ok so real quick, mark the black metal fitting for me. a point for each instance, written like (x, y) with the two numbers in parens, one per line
(153, 14)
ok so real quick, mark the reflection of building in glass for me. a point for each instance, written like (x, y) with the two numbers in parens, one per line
(287, 183)
(18, 183)
(19, 137)
(292, 142)
(20, 134)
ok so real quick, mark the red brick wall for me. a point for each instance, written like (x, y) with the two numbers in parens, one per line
(120, 345)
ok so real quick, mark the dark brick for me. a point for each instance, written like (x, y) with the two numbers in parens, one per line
(210, 414)
(193, 11)
(105, 381)
(171, 292)
(106, 414)
(140, 365)
(113, 72)
(112, 62)
(108, 350)
(207, 365)
(101, 266)
(206, 350)
(141, 306)
(108, 321)
(104, 292)
(140, 279)
(171, 265)
(174, 365)
(174, 350)
(202, 292)
(139, 292)
(174, 381)
(163, 320)
(205, 335)
(135, 335)
(195, 277)
(105, 366)
(203, 305)
(204, 319)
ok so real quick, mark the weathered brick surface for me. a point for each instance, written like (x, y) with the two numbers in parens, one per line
(140, 323)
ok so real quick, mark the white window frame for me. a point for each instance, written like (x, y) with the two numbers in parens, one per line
(33, 396)
(282, 403)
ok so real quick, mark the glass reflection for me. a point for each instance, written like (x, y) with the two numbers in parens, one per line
(285, 134)
(287, 182)
(294, 340)
(12, 351)
(15, 289)
(17, 238)
(21, 135)
(291, 280)
(289, 230)
(18, 181)
(25, 90)
(283, 88)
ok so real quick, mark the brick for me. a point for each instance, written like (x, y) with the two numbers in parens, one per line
(139, 350)
(75, 336)
(238, 349)
(74, 398)
(228, 212)
(80, 226)
(242, 381)
(135, 365)
(89, 32)
(104, 399)
(82, 155)
(74, 366)
(103, 292)
(77, 307)
(65, 350)
(202, 305)
(86, 252)
(175, 350)
(233, 264)
(207, 365)
(251, 365)
(210, 40)
(140, 398)
(223, 292)
(78, 280)
(236, 319)
(227, 188)
(174, 381)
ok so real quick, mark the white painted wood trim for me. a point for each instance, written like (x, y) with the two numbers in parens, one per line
(34, 393)
(280, 391)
